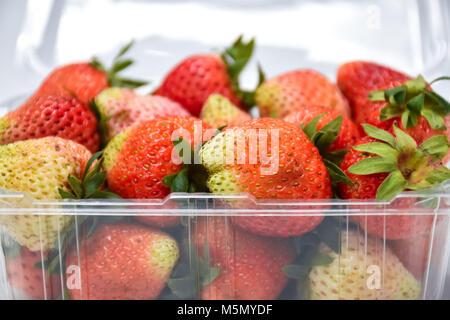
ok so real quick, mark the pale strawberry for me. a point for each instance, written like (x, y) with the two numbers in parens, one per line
(365, 269)
(290, 91)
(119, 109)
(39, 168)
(219, 112)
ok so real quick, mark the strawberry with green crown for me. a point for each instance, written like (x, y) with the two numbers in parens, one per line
(348, 132)
(194, 79)
(85, 80)
(381, 165)
(140, 165)
(295, 171)
(381, 96)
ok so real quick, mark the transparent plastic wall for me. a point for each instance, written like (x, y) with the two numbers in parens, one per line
(411, 35)
(212, 253)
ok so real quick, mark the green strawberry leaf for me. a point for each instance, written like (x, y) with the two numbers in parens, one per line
(411, 100)
(416, 103)
(378, 148)
(192, 273)
(391, 186)
(117, 67)
(373, 165)
(180, 182)
(329, 232)
(92, 181)
(438, 175)
(405, 142)
(442, 104)
(336, 156)
(321, 259)
(435, 146)
(336, 173)
(328, 134)
(435, 120)
(76, 187)
(379, 134)
(310, 128)
(390, 112)
(298, 272)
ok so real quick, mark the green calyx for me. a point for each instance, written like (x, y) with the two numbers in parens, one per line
(412, 100)
(193, 176)
(119, 64)
(409, 167)
(236, 59)
(89, 187)
(193, 272)
(323, 139)
(309, 254)
(102, 122)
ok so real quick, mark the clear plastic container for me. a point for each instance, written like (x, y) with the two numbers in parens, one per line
(412, 36)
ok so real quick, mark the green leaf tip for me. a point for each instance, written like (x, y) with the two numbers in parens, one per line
(118, 65)
(323, 139)
(411, 100)
(407, 165)
(91, 183)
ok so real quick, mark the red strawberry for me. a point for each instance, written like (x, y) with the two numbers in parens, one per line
(43, 116)
(87, 79)
(139, 161)
(348, 133)
(195, 78)
(120, 262)
(381, 96)
(382, 166)
(290, 168)
(25, 275)
(290, 91)
(119, 109)
(250, 265)
(357, 79)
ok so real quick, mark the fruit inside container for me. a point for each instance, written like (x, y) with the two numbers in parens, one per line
(305, 184)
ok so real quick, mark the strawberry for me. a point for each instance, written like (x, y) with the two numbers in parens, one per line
(43, 116)
(357, 79)
(219, 112)
(85, 80)
(381, 165)
(39, 168)
(242, 266)
(25, 275)
(381, 96)
(413, 253)
(290, 91)
(195, 78)
(139, 161)
(119, 109)
(348, 133)
(365, 269)
(120, 261)
(283, 165)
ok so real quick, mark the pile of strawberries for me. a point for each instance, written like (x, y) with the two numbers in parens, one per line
(86, 134)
